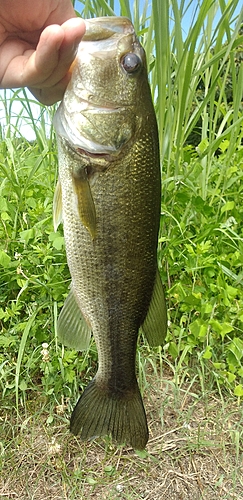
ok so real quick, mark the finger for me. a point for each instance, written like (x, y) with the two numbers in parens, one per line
(13, 55)
(18, 59)
(56, 51)
(51, 95)
(44, 60)
(46, 70)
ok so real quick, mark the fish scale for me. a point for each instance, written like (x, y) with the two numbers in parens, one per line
(111, 210)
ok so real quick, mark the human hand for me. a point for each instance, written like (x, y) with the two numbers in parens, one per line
(38, 43)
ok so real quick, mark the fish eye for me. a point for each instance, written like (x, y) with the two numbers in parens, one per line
(131, 62)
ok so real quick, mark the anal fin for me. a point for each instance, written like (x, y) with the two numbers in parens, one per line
(72, 328)
(155, 323)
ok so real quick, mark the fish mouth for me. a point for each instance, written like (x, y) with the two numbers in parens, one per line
(97, 156)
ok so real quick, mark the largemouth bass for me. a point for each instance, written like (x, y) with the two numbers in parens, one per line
(108, 197)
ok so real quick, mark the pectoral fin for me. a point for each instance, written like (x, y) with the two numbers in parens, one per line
(72, 328)
(155, 323)
(57, 206)
(85, 202)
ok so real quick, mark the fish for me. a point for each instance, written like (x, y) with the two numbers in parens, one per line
(109, 199)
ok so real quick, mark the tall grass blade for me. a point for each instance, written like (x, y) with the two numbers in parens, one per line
(21, 350)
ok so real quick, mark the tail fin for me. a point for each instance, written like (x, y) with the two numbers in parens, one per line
(99, 413)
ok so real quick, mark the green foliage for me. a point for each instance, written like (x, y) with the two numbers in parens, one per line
(201, 258)
(201, 237)
(34, 277)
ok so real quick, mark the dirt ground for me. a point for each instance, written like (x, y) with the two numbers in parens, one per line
(194, 452)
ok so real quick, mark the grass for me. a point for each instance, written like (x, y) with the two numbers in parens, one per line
(194, 452)
(193, 385)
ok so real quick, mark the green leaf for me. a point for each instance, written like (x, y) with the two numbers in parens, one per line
(70, 375)
(202, 146)
(207, 353)
(231, 377)
(193, 300)
(221, 328)
(2, 313)
(49, 419)
(4, 259)
(198, 328)
(224, 145)
(229, 205)
(5, 216)
(236, 348)
(31, 202)
(3, 205)
(58, 243)
(141, 453)
(23, 386)
(90, 480)
(226, 328)
(8, 340)
(173, 350)
(232, 292)
(219, 366)
(238, 390)
(57, 240)
(109, 470)
(26, 235)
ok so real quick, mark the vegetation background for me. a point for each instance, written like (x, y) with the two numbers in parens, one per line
(193, 385)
